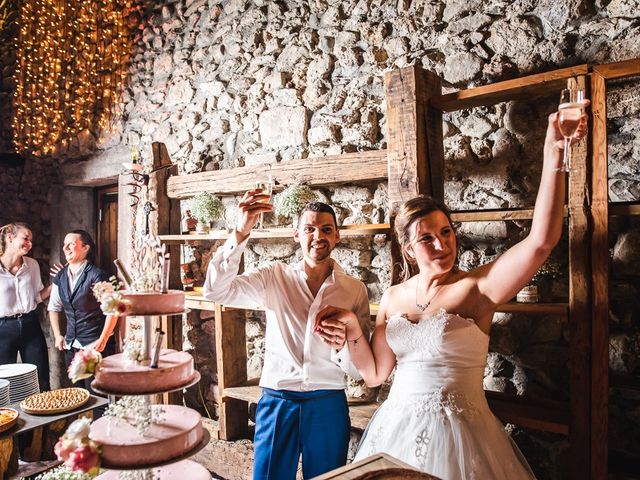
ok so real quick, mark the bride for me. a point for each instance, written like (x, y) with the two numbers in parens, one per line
(434, 329)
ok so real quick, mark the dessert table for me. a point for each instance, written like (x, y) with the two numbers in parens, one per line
(45, 430)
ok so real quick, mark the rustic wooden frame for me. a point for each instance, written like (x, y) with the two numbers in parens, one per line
(414, 111)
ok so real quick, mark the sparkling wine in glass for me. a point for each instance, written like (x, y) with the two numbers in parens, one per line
(570, 111)
(264, 188)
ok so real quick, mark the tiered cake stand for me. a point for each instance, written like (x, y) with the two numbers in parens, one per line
(175, 467)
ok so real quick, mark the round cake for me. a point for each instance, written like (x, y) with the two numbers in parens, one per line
(154, 303)
(176, 430)
(116, 374)
(185, 469)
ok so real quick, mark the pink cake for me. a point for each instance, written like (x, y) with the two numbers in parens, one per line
(155, 303)
(186, 469)
(176, 431)
(117, 375)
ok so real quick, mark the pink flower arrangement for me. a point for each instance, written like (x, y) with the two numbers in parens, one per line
(84, 364)
(77, 450)
(111, 301)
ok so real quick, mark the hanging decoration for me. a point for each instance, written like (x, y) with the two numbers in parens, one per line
(72, 58)
(7, 13)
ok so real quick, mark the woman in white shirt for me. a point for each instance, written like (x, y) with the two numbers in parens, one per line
(21, 290)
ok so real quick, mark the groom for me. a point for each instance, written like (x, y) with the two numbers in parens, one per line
(303, 408)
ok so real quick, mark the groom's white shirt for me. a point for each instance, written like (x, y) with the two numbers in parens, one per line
(295, 358)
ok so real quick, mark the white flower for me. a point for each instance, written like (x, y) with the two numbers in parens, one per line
(79, 429)
(77, 370)
(291, 201)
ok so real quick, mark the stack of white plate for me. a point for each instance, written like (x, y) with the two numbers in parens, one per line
(4, 392)
(23, 380)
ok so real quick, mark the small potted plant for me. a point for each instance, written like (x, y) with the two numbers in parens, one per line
(206, 208)
(290, 202)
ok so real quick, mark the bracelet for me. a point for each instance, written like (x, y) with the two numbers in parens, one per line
(355, 340)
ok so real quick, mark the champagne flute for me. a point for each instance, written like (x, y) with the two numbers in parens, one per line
(264, 188)
(570, 110)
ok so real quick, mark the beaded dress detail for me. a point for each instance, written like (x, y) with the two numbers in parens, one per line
(436, 417)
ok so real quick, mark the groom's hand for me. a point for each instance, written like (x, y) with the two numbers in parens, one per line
(251, 205)
(331, 325)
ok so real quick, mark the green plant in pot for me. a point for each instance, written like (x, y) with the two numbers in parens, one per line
(290, 202)
(206, 208)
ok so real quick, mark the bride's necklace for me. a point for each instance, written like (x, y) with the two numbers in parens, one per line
(424, 306)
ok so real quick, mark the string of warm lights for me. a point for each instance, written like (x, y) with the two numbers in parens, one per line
(72, 58)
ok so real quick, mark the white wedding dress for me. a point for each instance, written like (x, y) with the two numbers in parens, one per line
(436, 417)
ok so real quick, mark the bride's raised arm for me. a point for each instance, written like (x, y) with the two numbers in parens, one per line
(502, 279)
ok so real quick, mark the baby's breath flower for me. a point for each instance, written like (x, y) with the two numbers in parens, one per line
(291, 201)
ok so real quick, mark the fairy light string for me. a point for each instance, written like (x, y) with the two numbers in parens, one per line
(70, 73)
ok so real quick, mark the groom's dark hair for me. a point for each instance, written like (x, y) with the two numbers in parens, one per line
(318, 207)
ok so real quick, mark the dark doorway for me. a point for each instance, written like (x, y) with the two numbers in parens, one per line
(107, 238)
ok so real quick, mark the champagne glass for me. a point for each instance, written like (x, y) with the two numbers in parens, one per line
(570, 110)
(265, 188)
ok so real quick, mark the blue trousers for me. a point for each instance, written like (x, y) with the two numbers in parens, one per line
(314, 424)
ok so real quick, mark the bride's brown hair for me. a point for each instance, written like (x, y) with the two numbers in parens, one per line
(408, 214)
(10, 230)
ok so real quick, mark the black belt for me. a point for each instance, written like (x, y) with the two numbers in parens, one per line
(18, 316)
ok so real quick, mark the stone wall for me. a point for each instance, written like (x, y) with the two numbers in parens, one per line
(240, 83)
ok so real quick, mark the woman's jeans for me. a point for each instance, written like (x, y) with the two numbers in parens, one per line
(22, 333)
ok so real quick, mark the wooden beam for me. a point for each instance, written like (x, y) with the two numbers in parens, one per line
(625, 68)
(231, 361)
(496, 215)
(600, 279)
(102, 168)
(348, 168)
(580, 316)
(278, 232)
(547, 416)
(624, 381)
(524, 88)
(415, 158)
(409, 169)
(125, 220)
(630, 208)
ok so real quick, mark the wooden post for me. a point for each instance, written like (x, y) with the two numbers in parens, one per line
(125, 219)
(600, 279)
(163, 220)
(580, 310)
(231, 361)
(415, 157)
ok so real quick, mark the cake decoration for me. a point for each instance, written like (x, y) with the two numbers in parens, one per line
(84, 364)
(110, 298)
(136, 411)
(77, 450)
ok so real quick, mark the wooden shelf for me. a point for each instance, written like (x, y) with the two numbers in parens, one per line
(282, 232)
(561, 309)
(545, 416)
(195, 301)
(496, 215)
(248, 392)
(360, 413)
(626, 208)
(526, 88)
(624, 382)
